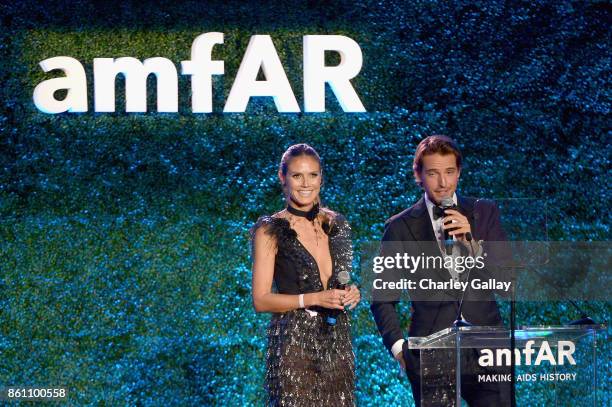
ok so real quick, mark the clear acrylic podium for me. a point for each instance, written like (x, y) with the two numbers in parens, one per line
(553, 365)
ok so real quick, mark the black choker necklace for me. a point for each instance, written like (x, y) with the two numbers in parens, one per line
(310, 215)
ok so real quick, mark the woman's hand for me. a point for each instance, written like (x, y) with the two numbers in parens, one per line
(330, 298)
(352, 296)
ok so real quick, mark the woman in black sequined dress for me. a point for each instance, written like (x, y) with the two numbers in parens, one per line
(300, 251)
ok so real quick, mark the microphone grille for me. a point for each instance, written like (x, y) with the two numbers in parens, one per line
(344, 277)
(447, 202)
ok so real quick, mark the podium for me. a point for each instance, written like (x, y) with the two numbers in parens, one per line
(550, 365)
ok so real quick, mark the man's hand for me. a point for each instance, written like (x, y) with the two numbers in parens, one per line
(457, 225)
(400, 358)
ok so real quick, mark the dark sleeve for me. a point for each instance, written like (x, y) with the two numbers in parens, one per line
(384, 307)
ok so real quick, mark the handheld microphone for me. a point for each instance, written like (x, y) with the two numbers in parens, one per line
(341, 282)
(447, 203)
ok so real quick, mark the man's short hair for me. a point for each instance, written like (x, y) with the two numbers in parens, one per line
(435, 144)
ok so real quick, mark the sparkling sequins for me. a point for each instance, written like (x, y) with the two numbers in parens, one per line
(308, 363)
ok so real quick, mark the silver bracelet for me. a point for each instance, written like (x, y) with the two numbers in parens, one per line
(301, 300)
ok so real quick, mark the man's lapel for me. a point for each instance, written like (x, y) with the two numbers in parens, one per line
(421, 229)
(419, 223)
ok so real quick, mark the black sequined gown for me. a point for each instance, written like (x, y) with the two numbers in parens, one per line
(308, 363)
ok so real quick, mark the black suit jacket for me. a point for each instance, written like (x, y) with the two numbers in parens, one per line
(412, 228)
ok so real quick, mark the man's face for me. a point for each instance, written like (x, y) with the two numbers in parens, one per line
(439, 176)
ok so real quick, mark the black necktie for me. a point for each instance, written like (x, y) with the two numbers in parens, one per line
(438, 212)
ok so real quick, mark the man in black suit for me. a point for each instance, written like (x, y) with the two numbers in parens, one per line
(437, 168)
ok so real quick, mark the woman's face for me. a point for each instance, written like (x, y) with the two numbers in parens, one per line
(303, 181)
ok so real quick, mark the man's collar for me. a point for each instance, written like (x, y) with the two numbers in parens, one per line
(430, 204)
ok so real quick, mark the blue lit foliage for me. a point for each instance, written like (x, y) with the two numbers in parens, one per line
(125, 271)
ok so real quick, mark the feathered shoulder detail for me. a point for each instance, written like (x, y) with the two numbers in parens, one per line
(274, 226)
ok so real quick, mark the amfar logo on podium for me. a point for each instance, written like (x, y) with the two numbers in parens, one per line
(260, 54)
(502, 357)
